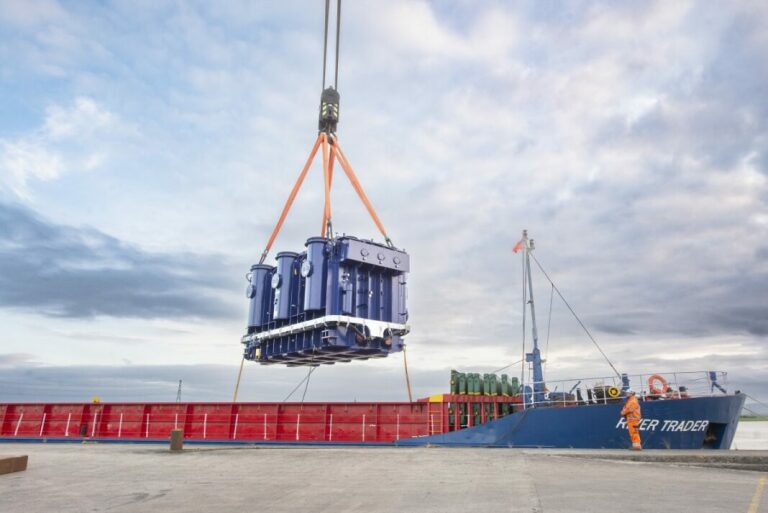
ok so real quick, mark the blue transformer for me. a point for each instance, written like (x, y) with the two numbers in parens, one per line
(342, 299)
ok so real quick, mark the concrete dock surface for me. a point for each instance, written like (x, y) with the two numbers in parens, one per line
(148, 478)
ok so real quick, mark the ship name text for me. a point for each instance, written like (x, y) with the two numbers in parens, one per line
(667, 425)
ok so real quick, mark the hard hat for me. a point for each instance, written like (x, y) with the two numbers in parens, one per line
(632, 392)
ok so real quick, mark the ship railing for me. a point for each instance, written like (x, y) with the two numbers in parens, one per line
(610, 389)
(358, 423)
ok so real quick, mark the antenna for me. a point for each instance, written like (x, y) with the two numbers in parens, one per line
(178, 393)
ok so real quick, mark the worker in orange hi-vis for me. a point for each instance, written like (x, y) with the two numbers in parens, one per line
(631, 413)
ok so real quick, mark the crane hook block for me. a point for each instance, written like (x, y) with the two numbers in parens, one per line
(329, 110)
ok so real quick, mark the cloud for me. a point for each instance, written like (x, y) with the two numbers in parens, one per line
(207, 383)
(58, 270)
(631, 141)
(16, 359)
(83, 118)
(201, 382)
(31, 14)
(72, 138)
(21, 161)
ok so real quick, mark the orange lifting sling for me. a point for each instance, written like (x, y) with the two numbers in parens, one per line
(331, 152)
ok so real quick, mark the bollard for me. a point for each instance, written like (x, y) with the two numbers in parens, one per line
(177, 440)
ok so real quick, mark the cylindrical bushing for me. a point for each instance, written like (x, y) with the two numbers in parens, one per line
(258, 293)
(281, 283)
(399, 311)
(313, 269)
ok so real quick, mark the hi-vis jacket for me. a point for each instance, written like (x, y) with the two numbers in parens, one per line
(631, 409)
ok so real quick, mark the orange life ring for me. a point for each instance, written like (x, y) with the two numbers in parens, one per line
(663, 385)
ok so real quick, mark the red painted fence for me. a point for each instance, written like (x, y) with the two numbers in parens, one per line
(247, 422)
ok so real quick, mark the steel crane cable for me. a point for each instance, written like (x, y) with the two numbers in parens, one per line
(338, 34)
(311, 370)
(306, 386)
(325, 40)
(554, 287)
(757, 401)
(753, 412)
(332, 153)
(549, 324)
(309, 375)
(506, 366)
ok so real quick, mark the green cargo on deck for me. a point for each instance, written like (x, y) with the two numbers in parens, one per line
(489, 384)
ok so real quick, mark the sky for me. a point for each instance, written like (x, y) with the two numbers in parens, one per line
(146, 148)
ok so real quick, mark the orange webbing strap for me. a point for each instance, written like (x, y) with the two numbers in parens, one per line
(327, 228)
(291, 197)
(359, 189)
(327, 186)
(331, 161)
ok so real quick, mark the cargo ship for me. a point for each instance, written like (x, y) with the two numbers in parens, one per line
(680, 410)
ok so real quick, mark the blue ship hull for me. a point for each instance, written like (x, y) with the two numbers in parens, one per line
(695, 423)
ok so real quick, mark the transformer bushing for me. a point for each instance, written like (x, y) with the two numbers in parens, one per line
(342, 299)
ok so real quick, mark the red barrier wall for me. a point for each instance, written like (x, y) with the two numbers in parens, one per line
(246, 422)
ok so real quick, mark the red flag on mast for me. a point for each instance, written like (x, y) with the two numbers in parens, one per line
(520, 245)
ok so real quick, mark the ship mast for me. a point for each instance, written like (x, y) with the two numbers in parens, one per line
(534, 357)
